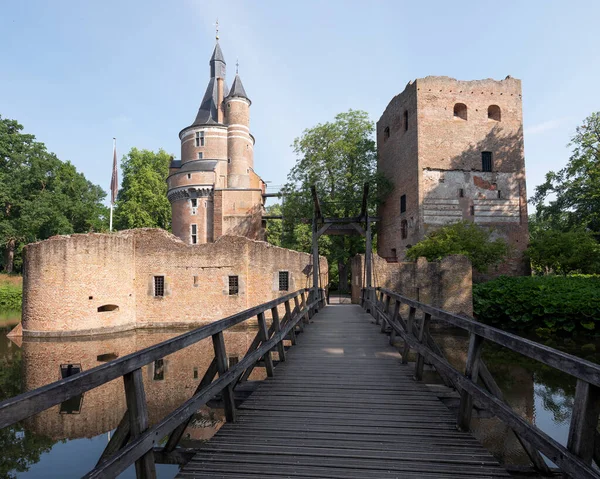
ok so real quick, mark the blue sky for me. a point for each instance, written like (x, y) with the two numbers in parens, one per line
(76, 74)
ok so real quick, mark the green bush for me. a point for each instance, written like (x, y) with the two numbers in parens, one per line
(546, 304)
(10, 297)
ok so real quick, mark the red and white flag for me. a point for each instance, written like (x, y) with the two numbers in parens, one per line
(114, 181)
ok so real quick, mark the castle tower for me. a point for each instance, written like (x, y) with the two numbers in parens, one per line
(454, 151)
(213, 189)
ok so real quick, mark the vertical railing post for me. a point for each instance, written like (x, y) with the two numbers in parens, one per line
(376, 306)
(386, 311)
(222, 367)
(422, 335)
(303, 303)
(584, 421)
(277, 330)
(298, 308)
(465, 409)
(288, 315)
(135, 397)
(409, 326)
(395, 316)
(264, 337)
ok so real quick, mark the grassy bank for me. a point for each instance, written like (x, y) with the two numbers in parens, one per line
(11, 291)
(544, 304)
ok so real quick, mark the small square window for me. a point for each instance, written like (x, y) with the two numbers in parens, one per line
(159, 370)
(199, 138)
(284, 281)
(233, 360)
(195, 372)
(403, 204)
(461, 193)
(386, 133)
(486, 161)
(234, 285)
(189, 176)
(159, 286)
(200, 155)
(194, 204)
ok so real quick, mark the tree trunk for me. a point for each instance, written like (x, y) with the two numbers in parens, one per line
(9, 256)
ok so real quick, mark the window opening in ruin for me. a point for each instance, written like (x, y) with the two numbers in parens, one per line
(189, 176)
(90, 297)
(460, 111)
(486, 161)
(194, 234)
(159, 370)
(107, 307)
(103, 358)
(199, 138)
(386, 133)
(494, 113)
(195, 372)
(234, 285)
(159, 286)
(472, 210)
(228, 160)
(284, 281)
(394, 253)
(403, 204)
(195, 281)
(405, 120)
(461, 193)
(499, 194)
(233, 360)
(200, 155)
(404, 229)
(194, 202)
(68, 370)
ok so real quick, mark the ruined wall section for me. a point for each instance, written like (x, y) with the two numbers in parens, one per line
(397, 150)
(79, 283)
(446, 284)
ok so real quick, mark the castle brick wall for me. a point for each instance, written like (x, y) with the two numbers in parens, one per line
(446, 284)
(119, 269)
(67, 278)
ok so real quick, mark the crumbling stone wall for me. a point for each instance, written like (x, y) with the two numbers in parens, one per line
(67, 278)
(446, 284)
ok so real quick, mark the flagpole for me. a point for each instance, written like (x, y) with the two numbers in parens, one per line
(112, 186)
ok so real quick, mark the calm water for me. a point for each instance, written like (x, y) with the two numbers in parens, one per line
(67, 440)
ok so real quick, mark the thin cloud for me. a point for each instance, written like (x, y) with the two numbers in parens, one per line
(545, 126)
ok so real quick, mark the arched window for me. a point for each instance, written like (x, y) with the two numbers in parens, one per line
(386, 133)
(460, 111)
(494, 113)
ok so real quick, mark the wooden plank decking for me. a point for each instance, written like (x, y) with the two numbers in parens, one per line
(342, 406)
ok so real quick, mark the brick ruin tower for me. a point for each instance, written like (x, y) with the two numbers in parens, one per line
(213, 189)
(454, 151)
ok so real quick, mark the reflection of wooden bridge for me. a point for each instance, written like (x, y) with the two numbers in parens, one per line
(343, 404)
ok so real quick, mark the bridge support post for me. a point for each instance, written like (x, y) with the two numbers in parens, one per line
(422, 338)
(369, 266)
(315, 254)
(222, 367)
(584, 420)
(409, 330)
(465, 409)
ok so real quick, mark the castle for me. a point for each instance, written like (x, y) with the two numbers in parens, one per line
(454, 150)
(213, 189)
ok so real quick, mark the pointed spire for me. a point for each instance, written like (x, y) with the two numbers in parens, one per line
(237, 89)
(208, 112)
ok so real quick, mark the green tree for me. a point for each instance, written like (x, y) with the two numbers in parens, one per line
(142, 200)
(576, 188)
(338, 158)
(40, 195)
(564, 252)
(274, 227)
(464, 238)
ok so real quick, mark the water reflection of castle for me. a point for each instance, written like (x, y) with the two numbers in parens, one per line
(167, 382)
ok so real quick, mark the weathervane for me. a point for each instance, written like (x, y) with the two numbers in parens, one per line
(217, 29)
(237, 65)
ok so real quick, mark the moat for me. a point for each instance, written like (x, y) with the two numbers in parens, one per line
(67, 440)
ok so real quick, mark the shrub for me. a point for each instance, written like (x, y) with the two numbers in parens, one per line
(10, 297)
(546, 304)
(464, 238)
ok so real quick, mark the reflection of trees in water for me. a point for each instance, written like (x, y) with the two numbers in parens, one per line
(20, 448)
(556, 401)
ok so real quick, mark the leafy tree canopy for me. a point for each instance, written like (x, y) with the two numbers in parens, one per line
(464, 238)
(142, 200)
(574, 191)
(338, 158)
(40, 195)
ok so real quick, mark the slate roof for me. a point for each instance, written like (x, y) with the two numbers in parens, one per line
(237, 89)
(207, 113)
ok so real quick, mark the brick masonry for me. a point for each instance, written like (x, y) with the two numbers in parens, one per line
(446, 284)
(67, 278)
(430, 141)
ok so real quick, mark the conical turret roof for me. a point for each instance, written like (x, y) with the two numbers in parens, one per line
(237, 89)
(207, 113)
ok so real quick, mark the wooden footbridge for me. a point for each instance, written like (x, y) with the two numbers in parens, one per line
(342, 403)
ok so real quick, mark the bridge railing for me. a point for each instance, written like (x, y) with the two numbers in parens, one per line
(134, 440)
(583, 445)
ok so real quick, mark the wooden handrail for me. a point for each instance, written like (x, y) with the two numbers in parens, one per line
(576, 458)
(144, 439)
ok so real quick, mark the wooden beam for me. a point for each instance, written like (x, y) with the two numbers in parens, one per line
(318, 213)
(118, 439)
(222, 367)
(135, 397)
(264, 337)
(465, 409)
(359, 228)
(420, 357)
(277, 328)
(584, 421)
(323, 229)
(363, 208)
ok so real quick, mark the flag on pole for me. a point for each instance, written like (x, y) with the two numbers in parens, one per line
(114, 181)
